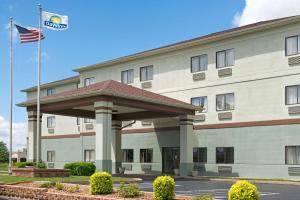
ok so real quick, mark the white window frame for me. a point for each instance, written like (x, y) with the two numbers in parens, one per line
(89, 81)
(51, 122)
(50, 156)
(226, 61)
(202, 63)
(297, 43)
(129, 76)
(89, 155)
(225, 96)
(50, 91)
(287, 95)
(202, 99)
(149, 73)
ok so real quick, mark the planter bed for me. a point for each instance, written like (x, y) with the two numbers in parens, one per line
(35, 172)
(32, 191)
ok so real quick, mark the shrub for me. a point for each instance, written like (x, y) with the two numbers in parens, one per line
(164, 187)
(73, 189)
(129, 191)
(59, 186)
(243, 190)
(47, 184)
(101, 183)
(204, 197)
(23, 164)
(41, 165)
(81, 168)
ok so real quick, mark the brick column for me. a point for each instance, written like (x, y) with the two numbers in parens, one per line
(186, 144)
(116, 141)
(103, 129)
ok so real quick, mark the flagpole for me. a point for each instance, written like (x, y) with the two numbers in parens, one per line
(11, 98)
(38, 128)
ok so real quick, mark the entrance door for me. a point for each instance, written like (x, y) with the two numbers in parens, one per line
(171, 159)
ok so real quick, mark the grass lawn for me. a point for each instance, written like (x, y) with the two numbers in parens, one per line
(3, 166)
(71, 179)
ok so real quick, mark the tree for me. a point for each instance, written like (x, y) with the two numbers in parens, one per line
(3, 152)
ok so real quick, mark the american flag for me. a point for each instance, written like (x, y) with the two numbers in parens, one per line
(29, 34)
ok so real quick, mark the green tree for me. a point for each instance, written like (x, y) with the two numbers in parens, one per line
(3, 152)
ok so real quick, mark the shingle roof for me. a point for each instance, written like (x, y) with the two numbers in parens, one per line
(114, 89)
(54, 83)
(262, 25)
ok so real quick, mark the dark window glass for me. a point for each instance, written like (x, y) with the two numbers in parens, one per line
(146, 155)
(292, 155)
(225, 155)
(127, 76)
(89, 155)
(225, 58)
(200, 155)
(292, 45)
(50, 156)
(128, 155)
(146, 73)
(225, 102)
(199, 63)
(292, 95)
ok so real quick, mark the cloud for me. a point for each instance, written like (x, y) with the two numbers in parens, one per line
(19, 133)
(260, 10)
(45, 57)
(14, 32)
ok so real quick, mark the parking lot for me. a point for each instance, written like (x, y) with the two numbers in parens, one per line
(220, 189)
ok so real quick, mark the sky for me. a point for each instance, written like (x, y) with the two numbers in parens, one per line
(100, 30)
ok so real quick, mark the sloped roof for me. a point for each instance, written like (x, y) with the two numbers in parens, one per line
(72, 79)
(113, 89)
(229, 33)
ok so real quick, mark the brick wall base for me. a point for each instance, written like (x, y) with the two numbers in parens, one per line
(34, 172)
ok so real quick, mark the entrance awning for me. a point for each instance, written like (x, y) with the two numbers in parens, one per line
(129, 102)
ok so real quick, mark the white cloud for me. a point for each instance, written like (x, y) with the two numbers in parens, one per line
(14, 32)
(19, 133)
(259, 10)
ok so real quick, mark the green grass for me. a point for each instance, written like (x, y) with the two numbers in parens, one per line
(3, 166)
(71, 179)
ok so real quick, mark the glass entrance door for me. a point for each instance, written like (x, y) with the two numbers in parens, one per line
(171, 159)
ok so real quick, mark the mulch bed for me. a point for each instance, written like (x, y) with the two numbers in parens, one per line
(84, 190)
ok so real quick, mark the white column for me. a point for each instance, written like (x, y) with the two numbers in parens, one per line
(186, 144)
(116, 151)
(32, 136)
(103, 128)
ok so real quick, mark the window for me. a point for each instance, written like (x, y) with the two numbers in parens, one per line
(89, 155)
(146, 155)
(50, 156)
(127, 76)
(292, 45)
(51, 122)
(225, 155)
(200, 101)
(225, 102)
(50, 91)
(225, 58)
(88, 121)
(78, 121)
(200, 155)
(292, 95)
(292, 155)
(128, 155)
(199, 63)
(146, 73)
(89, 81)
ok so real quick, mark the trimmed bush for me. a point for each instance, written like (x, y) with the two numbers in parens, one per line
(73, 189)
(101, 183)
(47, 184)
(129, 191)
(23, 164)
(243, 190)
(81, 168)
(40, 165)
(163, 187)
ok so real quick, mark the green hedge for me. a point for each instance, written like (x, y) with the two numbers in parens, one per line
(41, 164)
(101, 183)
(163, 187)
(81, 168)
(243, 190)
